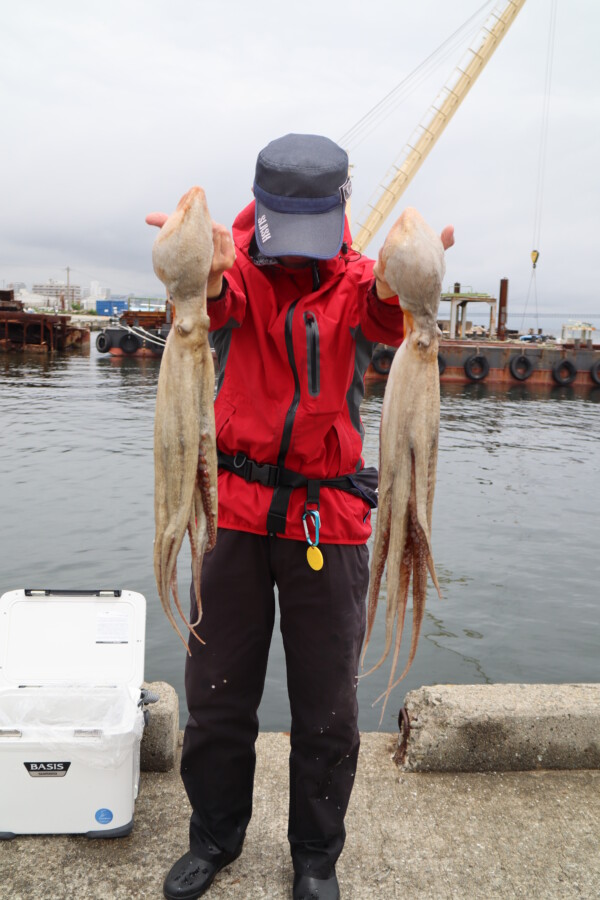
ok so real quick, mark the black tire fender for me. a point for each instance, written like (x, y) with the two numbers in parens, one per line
(382, 360)
(103, 342)
(441, 364)
(520, 367)
(595, 372)
(476, 367)
(129, 343)
(564, 371)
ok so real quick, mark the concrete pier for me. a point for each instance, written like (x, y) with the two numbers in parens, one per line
(503, 727)
(411, 834)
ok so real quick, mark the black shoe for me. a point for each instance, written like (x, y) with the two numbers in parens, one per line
(191, 876)
(307, 888)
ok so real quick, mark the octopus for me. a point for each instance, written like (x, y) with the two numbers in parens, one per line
(412, 263)
(185, 457)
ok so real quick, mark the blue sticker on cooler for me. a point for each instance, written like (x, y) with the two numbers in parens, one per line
(104, 816)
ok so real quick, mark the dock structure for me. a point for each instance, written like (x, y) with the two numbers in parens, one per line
(484, 824)
(502, 357)
(37, 332)
(457, 324)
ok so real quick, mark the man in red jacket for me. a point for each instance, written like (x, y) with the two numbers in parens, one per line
(294, 315)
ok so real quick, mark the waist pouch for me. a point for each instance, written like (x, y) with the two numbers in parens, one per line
(362, 484)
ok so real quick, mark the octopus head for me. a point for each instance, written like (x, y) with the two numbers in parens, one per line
(412, 259)
(182, 252)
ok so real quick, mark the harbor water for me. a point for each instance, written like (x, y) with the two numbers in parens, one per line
(514, 532)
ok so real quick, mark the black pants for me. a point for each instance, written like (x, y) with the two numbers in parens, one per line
(322, 624)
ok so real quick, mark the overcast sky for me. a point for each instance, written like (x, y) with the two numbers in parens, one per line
(113, 108)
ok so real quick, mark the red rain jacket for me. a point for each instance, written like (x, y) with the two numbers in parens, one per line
(292, 359)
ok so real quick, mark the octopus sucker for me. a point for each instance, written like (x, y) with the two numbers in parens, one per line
(412, 262)
(202, 527)
(185, 458)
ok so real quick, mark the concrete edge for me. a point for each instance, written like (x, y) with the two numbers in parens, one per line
(501, 727)
(452, 728)
(158, 749)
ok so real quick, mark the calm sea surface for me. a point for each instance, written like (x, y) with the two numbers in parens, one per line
(515, 532)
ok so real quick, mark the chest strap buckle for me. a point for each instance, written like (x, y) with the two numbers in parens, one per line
(250, 470)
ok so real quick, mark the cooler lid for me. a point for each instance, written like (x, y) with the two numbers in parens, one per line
(50, 637)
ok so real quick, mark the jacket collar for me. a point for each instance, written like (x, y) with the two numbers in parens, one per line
(244, 239)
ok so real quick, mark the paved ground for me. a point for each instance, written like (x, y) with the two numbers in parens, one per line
(410, 835)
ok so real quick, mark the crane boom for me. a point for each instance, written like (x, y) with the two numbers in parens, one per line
(440, 112)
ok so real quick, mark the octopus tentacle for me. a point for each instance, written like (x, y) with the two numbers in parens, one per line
(412, 262)
(206, 489)
(415, 562)
(167, 608)
(196, 561)
(203, 522)
(401, 606)
(380, 552)
(177, 602)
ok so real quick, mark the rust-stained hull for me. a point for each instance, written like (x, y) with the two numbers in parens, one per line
(141, 352)
(138, 335)
(40, 333)
(508, 363)
(138, 332)
(121, 341)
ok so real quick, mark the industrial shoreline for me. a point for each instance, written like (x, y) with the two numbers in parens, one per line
(411, 834)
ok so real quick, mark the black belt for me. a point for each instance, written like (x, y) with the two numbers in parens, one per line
(362, 484)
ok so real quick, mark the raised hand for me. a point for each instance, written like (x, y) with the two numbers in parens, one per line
(223, 258)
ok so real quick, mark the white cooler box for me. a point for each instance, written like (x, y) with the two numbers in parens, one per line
(71, 720)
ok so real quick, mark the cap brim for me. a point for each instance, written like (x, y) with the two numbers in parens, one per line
(318, 235)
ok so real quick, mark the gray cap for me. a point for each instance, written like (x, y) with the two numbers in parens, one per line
(300, 187)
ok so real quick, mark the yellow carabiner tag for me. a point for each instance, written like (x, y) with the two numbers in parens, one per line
(314, 558)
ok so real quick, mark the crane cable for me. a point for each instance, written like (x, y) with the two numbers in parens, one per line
(541, 169)
(384, 108)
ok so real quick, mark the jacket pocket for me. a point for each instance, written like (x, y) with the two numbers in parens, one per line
(313, 367)
(223, 412)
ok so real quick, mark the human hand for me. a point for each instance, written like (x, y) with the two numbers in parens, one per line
(223, 258)
(223, 252)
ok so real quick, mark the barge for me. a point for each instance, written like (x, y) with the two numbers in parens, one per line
(139, 333)
(37, 332)
(136, 332)
(501, 357)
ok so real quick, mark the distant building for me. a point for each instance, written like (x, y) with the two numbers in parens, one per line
(96, 293)
(38, 301)
(55, 290)
(17, 286)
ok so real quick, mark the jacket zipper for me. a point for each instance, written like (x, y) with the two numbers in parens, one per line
(312, 353)
(291, 413)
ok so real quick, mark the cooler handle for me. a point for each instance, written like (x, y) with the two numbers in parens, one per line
(50, 592)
